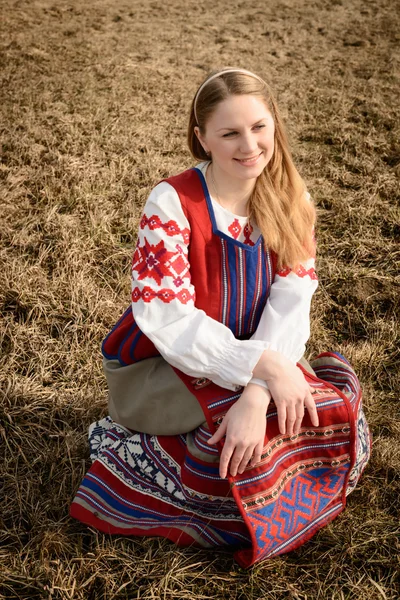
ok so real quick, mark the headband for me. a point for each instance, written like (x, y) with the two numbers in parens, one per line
(207, 81)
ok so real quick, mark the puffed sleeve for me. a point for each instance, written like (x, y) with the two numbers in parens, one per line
(163, 300)
(285, 322)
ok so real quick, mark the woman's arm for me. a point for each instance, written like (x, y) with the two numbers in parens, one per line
(163, 300)
(285, 324)
(285, 321)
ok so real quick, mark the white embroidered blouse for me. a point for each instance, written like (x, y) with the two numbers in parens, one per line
(163, 298)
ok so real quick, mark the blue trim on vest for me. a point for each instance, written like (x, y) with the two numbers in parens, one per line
(118, 323)
(215, 229)
(126, 338)
(135, 342)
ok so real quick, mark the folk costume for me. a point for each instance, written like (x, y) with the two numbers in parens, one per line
(207, 300)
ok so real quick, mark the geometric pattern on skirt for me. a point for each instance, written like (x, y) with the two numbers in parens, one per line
(152, 496)
(168, 486)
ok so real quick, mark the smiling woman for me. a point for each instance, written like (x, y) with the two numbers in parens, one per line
(222, 279)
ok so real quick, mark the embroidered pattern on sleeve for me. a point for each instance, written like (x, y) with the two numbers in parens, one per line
(301, 271)
(152, 261)
(156, 262)
(147, 294)
(171, 228)
(163, 261)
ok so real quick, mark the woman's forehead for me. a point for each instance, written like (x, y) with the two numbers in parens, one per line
(239, 110)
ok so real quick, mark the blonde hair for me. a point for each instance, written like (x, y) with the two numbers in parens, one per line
(278, 203)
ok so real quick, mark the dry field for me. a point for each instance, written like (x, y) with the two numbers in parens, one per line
(94, 101)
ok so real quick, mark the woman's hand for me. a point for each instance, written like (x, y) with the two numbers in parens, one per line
(291, 393)
(289, 389)
(244, 426)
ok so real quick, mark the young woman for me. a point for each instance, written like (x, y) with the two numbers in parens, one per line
(222, 278)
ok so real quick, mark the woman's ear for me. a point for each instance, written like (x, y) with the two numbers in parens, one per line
(201, 139)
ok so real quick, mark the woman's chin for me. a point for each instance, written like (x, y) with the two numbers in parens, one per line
(249, 172)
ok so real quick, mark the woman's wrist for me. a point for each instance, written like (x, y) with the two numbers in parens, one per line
(256, 394)
(270, 365)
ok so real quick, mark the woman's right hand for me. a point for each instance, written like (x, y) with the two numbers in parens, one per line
(289, 389)
(244, 427)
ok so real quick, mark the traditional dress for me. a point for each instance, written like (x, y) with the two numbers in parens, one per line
(207, 300)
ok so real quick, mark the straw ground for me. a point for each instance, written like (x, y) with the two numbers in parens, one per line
(94, 101)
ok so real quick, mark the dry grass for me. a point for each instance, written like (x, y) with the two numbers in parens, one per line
(94, 98)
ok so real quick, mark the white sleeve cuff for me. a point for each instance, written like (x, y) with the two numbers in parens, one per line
(235, 367)
(259, 382)
(239, 359)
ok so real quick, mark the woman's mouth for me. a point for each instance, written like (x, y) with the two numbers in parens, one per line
(249, 162)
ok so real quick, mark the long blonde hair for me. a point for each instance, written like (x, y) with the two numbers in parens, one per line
(278, 203)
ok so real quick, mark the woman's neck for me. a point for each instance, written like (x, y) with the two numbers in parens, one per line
(232, 194)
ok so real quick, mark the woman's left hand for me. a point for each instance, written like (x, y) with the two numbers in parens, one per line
(244, 426)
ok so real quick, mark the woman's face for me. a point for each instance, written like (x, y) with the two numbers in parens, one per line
(240, 136)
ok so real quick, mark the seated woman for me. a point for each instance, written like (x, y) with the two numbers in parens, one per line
(220, 433)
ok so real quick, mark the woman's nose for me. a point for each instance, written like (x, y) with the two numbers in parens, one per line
(248, 144)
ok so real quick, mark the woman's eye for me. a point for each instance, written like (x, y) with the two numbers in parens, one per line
(233, 133)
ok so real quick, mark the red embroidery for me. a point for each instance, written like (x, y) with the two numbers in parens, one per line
(171, 228)
(152, 261)
(235, 229)
(300, 272)
(247, 231)
(165, 295)
(178, 281)
(179, 265)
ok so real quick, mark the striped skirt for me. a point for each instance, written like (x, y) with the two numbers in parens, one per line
(152, 485)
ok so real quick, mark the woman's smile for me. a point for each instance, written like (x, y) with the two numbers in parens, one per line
(249, 162)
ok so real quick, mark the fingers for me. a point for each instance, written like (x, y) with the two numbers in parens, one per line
(281, 408)
(245, 460)
(299, 417)
(257, 454)
(226, 454)
(236, 459)
(219, 434)
(312, 409)
(291, 414)
(290, 419)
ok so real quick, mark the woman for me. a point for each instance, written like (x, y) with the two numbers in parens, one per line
(222, 280)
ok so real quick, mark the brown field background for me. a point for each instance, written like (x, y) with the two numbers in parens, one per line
(93, 102)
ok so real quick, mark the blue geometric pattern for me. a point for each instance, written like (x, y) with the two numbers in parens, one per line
(304, 500)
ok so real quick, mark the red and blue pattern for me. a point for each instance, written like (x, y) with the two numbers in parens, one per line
(170, 486)
(242, 305)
